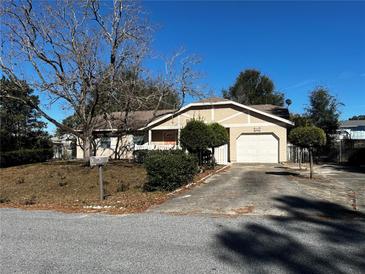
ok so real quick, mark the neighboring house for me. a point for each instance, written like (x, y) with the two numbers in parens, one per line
(257, 133)
(64, 147)
(352, 129)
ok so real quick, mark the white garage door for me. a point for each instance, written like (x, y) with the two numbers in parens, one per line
(257, 148)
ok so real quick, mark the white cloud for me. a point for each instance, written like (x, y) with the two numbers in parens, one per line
(346, 75)
(300, 84)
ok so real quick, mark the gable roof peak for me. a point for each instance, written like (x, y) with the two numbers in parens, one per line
(212, 100)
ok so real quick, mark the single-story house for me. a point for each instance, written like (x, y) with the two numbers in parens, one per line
(64, 147)
(257, 133)
(352, 129)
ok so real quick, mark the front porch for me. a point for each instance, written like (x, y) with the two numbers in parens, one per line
(161, 140)
(168, 139)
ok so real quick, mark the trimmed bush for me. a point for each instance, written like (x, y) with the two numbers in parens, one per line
(195, 136)
(168, 170)
(219, 135)
(25, 156)
(140, 155)
(308, 137)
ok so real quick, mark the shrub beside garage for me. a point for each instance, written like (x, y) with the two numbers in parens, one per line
(25, 156)
(169, 170)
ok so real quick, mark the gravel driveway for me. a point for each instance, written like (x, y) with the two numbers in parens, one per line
(350, 178)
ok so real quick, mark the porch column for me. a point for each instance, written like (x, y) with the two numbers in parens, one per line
(178, 138)
(149, 137)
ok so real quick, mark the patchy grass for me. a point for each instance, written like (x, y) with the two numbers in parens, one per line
(70, 186)
(73, 187)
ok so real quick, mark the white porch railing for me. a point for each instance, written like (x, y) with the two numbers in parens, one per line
(155, 147)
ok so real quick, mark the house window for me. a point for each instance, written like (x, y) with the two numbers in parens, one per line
(105, 142)
(138, 139)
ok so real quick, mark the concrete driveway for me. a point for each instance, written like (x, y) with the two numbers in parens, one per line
(255, 190)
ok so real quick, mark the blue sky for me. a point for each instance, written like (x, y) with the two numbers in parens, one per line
(299, 45)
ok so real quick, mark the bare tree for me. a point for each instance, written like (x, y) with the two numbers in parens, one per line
(78, 53)
(66, 48)
(145, 90)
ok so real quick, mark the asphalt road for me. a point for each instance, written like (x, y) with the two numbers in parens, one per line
(50, 242)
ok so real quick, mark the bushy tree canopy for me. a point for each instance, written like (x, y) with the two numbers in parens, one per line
(195, 136)
(253, 88)
(307, 137)
(219, 135)
(323, 110)
(300, 120)
(358, 117)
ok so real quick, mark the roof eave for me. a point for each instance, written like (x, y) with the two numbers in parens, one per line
(221, 103)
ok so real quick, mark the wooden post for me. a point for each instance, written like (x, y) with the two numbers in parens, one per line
(99, 161)
(101, 186)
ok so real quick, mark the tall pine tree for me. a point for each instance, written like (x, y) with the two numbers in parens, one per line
(20, 125)
(323, 110)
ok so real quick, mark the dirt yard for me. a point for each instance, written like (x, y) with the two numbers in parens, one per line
(72, 187)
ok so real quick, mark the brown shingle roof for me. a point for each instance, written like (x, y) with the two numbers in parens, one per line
(352, 123)
(212, 100)
(273, 109)
(140, 119)
(135, 120)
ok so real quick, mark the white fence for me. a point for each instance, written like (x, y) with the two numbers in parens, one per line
(221, 155)
(294, 154)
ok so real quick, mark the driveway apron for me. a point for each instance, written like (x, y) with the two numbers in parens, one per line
(241, 189)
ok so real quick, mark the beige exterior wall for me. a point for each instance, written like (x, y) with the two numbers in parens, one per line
(179, 121)
(238, 120)
(125, 146)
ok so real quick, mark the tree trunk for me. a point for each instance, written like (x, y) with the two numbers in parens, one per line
(86, 143)
(311, 163)
(116, 151)
(300, 158)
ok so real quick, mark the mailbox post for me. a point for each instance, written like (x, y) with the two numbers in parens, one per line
(99, 161)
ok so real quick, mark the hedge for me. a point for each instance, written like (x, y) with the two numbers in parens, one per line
(25, 156)
(168, 170)
(140, 155)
